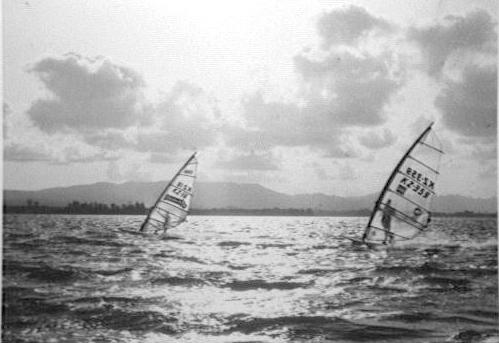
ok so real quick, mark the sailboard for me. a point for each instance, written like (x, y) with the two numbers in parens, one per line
(172, 206)
(403, 208)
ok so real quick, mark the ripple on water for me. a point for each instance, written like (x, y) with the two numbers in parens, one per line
(224, 279)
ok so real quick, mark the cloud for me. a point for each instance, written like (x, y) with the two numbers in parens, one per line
(341, 89)
(161, 158)
(20, 153)
(469, 106)
(185, 120)
(7, 111)
(373, 140)
(128, 171)
(75, 154)
(87, 94)
(110, 139)
(347, 26)
(54, 150)
(350, 89)
(103, 104)
(251, 161)
(472, 33)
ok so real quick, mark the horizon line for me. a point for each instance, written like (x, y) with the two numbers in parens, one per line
(231, 182)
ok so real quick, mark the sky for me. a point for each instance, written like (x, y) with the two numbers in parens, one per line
(298, 96)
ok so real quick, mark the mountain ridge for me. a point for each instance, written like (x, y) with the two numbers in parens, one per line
(227, 195)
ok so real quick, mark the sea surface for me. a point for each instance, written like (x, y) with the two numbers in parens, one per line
(69, 278)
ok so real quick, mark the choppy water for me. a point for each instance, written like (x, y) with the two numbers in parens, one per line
(245, 279)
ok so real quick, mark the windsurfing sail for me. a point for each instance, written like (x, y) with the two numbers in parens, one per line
(403, 209)
(172, 206)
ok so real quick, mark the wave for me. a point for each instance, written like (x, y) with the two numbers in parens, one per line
(42, 271)
(248, 285)
(232, 244)
(110, 272)
(319, 271)
(274, 245)
(92, 242)
(330, 328)
(448, 284)
(33, 305)
(428, 268)
(444, 318)
(118, 319)
(177, 281)
(181, 258)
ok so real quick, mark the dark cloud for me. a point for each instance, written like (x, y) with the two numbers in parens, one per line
(20, 153)
(348, 25)
(7, 111)
(110, 140)
(251, 161)
(373, 140)
(469, 106)
(87, 94)
(73, 154)
(474, 32)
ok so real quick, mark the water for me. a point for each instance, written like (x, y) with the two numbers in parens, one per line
(245, 279)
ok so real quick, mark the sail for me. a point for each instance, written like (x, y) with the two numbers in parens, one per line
(173, 205)
(404, 206)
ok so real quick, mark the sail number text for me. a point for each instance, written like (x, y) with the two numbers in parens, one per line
(182, 190)
(418, 182)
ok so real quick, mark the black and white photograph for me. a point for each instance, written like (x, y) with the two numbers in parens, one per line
(235, 171)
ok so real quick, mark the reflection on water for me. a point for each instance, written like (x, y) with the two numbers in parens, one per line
(242, 279)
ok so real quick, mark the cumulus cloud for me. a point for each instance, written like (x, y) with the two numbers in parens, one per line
(373, 140)
(351, 89)
(474, 32)
(185, 119)
(341, 89)
(102, 104)
(469, 106)
(251, 161)
(347, 26)
(87, 94)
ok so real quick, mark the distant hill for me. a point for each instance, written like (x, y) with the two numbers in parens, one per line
(227, 195)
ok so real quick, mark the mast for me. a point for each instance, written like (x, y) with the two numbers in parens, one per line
(390, 179)
(164, 190)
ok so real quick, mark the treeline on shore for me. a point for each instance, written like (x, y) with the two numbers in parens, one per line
(138, 208)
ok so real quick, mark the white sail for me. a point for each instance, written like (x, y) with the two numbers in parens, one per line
(403, 209)
(174, 203)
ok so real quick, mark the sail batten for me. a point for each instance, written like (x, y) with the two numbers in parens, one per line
(172, 206)
(412, 202)
(418, 161)
(432, 147)
(402, 209)
(405, 218)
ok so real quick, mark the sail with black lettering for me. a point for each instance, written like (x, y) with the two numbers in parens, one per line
(403, 209)
(172, 206)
